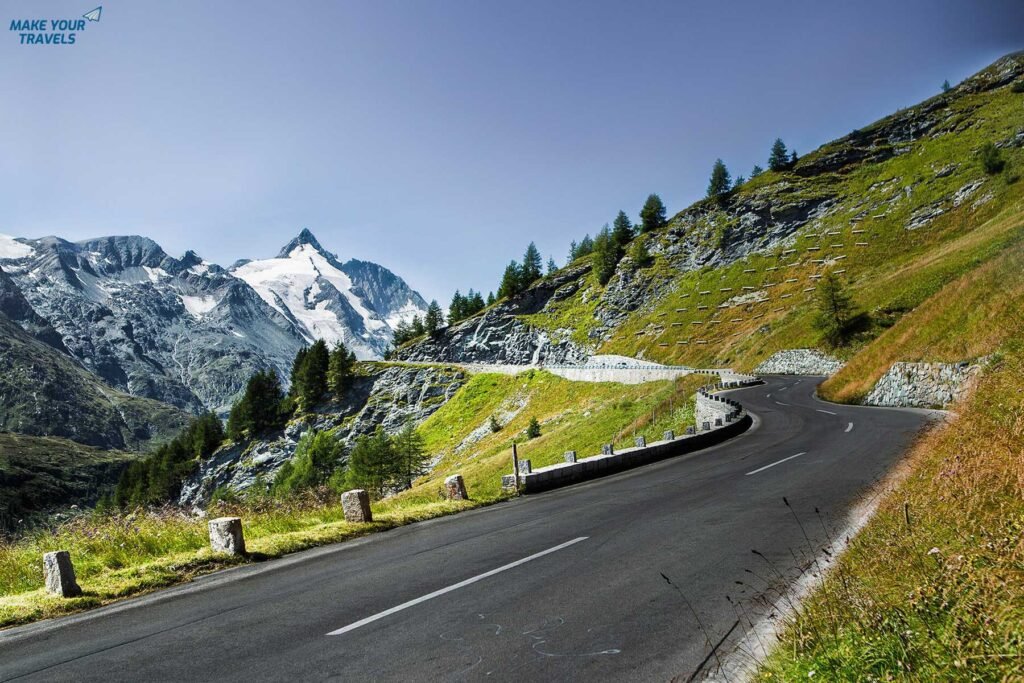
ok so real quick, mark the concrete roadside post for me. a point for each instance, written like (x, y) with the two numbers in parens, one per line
(515, 464)
(60, 574)
(226, 536)
(356, 505)
(455, 487)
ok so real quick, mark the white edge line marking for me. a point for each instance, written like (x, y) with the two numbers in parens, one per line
(453, 587)
(781, 403)
(777, 462)
(827, 412)
(849, 427)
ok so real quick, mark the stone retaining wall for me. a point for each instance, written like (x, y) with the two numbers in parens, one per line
(922, 385)
(800, 362)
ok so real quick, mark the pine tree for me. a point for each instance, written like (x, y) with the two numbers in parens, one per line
(756, 171)
(476, 302)
(607, 253)
(297, 365)
(340, 369)
(622, 230)
(510, 280)
(434, 318)
(834, 310)
(573, 247)
(490, 298)
(738, 182)
(778, 159)
(531, 268)
(720, 181)
(317, 456)
(652, 216)
(418, 328)
(371, 464)
(259, 409)
(552, 266)
(456, 310)
(586, 246)
(946, 87)
(410, 452)
(312, 375)
(793, 158)
(639, 253)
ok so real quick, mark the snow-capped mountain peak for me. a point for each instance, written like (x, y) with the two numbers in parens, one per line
(332, 301)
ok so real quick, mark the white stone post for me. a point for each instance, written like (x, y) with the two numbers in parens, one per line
(356, 504)
(456, 488)
(60, 574)
(226, 536)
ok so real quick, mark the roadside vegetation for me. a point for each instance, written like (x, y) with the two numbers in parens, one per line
(122, 552)
(932, 589)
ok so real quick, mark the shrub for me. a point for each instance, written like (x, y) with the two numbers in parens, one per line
(1017, 87)
(991, 159)
(533, 430)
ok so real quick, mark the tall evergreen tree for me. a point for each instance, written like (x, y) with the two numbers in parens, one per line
(834, 310)
(410, 452)
(434, 318)
(340, 369)
(622, 230)
(756, 171)
(510, 281)
(720, 182)
(372, 463)
(793, 157)
(312, 375)
(259, 409)
(552, 266)
(531, 268)
(652, 216)
(490, 298)
(586, 246)
(457, 308)
(607, 253)
(778, 158)
(572, 252)
(738, 182)
(946, 87)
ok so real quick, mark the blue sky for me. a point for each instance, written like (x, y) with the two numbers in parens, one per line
(439, 137)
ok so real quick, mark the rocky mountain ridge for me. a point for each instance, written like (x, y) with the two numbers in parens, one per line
(184, 331)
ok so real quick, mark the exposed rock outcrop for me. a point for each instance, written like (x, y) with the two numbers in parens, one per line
(799, 362)
(390, 397)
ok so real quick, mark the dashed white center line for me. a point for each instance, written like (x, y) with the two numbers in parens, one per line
(849, 427)
(453, 587)
(827, 412)
(777, 462)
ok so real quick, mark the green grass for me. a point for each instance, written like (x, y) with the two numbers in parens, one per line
(120, 555)
(940, 598)
(896, 271)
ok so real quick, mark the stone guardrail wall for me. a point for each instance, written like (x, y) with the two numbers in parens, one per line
(730, 420)
(631, 374)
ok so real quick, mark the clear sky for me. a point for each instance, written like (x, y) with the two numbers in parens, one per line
(439, 137)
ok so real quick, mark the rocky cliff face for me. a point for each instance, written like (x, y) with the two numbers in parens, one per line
(185, 331)
(389, 396)
(501, 335)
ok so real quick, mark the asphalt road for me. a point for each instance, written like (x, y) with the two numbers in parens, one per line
(622, 578)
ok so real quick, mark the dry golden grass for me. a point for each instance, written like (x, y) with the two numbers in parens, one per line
(942, 598)
(966, 319)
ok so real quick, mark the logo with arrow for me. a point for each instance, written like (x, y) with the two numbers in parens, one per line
(94, 14)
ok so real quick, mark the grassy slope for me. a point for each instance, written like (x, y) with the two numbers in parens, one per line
(896, 271)
(943, 597)
(124, 555)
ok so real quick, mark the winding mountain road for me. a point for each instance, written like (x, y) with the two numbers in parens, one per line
(621, 578)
